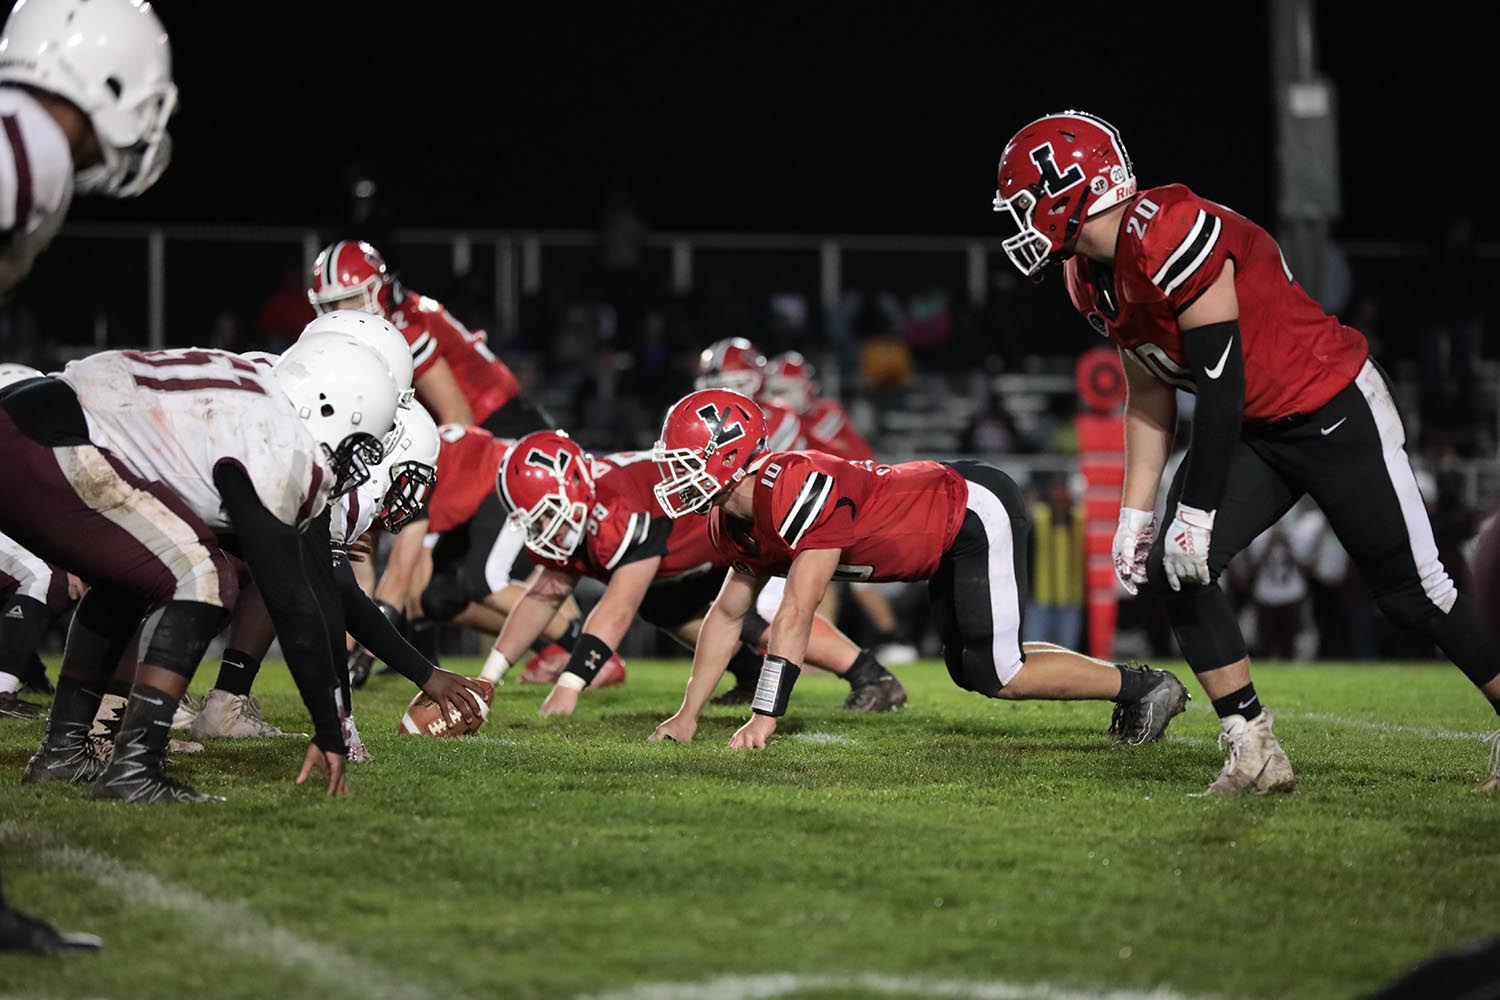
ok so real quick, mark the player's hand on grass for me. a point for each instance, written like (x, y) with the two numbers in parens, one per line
(753, 734)
(560, 701)
(455, 693)
(327, 764)
(679, 729)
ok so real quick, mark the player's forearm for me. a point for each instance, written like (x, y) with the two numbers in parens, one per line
(1218, 368)
(375, 632)
(609, 623)
(788, 635)
(526, 622)
(717, 640)
(1150, 420)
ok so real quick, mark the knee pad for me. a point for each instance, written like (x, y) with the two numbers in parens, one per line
(103, 624)
(444, 599)
(182, 633)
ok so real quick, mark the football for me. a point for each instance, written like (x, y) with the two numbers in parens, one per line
(424, 717)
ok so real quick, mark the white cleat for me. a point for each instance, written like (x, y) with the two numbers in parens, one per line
(896, 653)
(187, 710)
(1256, 763)
(226, 716)
(183, 746)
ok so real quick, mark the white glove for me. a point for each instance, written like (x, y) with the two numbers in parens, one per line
(1185, 556)
(1133, 540)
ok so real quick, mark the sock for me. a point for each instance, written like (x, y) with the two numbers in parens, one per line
(570, 637)
(495, 666)
(1133, 684)
(1242, 702)
(111, 710)
(24, 622)
(147, 722)
(745, 666)
(237, 672)
(865, 670)
(74, 703)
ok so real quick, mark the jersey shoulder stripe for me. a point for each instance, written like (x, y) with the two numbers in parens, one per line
(806, 508)
(635, 534)
(1190, 253)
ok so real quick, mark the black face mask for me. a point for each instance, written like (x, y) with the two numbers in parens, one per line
(406, 500)
(351, 462)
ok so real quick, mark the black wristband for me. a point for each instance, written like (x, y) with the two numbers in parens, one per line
(393, 615)
(589, 656)
(778, 676)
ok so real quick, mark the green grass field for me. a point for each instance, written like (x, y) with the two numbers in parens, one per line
(958, 848)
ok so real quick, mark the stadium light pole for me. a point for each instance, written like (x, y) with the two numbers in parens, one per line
(1307, 160)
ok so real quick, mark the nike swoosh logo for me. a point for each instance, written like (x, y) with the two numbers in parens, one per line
(1329, 430)
(1218, 369)
(154, 701)
(1246, 703)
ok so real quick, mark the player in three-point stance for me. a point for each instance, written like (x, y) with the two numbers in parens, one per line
(1289, 403)
(813, 518)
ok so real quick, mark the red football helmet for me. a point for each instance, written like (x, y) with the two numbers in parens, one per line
(708, 440)
(732, 363)
(1054, 173)
(546, 483)
(789, 380)
(349, 269)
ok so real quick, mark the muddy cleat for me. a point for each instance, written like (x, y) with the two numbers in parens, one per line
(612, 674)
(1145, 719)
(547, 666)
(1492, 783)
(226, 716)
(134, 773)
(187, 710)
(184, 746)
(1256, 763)
(743, 693)
(66, 754)
(12, 707)
(882, 694)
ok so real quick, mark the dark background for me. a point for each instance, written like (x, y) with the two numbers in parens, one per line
(805, 117)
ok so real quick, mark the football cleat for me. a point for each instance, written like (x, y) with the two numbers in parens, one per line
(1492, 782)
(546, 666)
(25, 933)
(743, 693)
(612, 674)
(66, 754)
(231, 716)
(1144, 720)
(361, 663)
(12, 707)
(1256, 763)
(34, 680)
(187, 709)
(134, 774)
(883, 694)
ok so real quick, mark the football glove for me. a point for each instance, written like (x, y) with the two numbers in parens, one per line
(1133, 538)
(1185, 553)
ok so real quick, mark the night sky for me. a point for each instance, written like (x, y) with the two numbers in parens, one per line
(867, 118)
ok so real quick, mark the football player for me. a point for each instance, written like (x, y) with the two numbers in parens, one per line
(1199, 298)
(458, 378)
(135, 459)
(465, 575)
(813, 518)
(600, 519)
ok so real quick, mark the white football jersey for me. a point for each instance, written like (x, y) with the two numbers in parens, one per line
(36, 183)
(32, 574)
(172, 416)
(354, 512)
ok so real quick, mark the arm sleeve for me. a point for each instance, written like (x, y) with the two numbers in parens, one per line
(298, 592)
(1219, 371)
(375, 632)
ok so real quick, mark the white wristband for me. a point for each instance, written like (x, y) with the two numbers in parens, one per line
(571, 681)
(495, 667)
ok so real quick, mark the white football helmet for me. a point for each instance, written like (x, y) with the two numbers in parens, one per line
(375, 332)
(10, 373)
(409, 467)
(344, 392)
(111, 59)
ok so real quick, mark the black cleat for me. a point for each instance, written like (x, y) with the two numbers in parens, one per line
(1144, 720)
(12, 707)
(134, 774)
(741, 694)
(361, 662)
(65, 755)
(34, 680)
(25, 933)
(882, 694)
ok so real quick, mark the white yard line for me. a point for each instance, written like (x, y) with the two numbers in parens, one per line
(1394, 728)
(788, 984)
(230, 923)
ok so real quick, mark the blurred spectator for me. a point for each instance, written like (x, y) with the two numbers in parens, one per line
(1057, 585)
(622, 238)
(788, 327)
(1455, 303)
(1450, 421)
(224, 335)
(929, 327)
(285, 312)
(1278, 590)
(991, 431)
(885, 361)
(1454, 523)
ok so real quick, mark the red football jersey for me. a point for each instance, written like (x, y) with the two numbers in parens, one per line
(784, 430)
(1171, 248)
(433, 333)
(468, 461)
(893, 522)
(829, 429)
(627, 525)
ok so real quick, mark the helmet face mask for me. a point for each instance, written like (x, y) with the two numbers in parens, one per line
(686, 486)
(349, 275)
(734, 364)
(553, 525)
(406, 499)
(409, 469)
(789, 381)
(351, 462)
